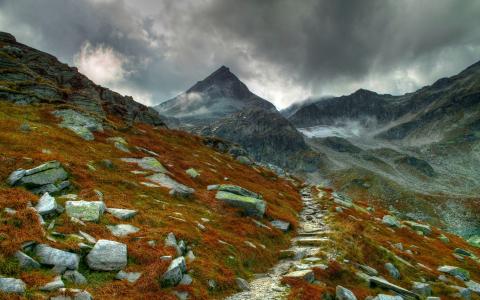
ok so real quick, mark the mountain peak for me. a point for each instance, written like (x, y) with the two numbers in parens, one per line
(220, 75)
(364, 92)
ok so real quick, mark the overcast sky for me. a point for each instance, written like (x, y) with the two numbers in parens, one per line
(285, 51)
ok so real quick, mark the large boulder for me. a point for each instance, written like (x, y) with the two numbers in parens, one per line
(85, 210)
(49, 177)
(174, 273)
(79, 123)
(12, 285)
(147, 163)
(251, 206)
(56, 257)
(176, 188)
(234, 189)
(107, 256)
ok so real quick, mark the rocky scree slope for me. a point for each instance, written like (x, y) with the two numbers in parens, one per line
(97, 204)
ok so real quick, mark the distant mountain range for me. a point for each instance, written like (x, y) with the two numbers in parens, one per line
(417, 152)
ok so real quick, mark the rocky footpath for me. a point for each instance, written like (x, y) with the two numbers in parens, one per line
(297, 261)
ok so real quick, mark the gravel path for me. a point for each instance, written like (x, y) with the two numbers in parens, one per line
(311, 234)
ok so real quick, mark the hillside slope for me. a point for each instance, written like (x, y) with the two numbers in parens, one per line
(87, 190)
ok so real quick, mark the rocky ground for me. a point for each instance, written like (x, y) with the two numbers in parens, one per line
(298, 258)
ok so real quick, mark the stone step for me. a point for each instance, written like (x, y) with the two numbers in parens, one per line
(306, 275)
(312, 241)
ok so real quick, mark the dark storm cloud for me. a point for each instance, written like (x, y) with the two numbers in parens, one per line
(284, 50)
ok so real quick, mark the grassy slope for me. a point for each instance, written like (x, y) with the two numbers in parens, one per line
(178, 152)
(358, 237)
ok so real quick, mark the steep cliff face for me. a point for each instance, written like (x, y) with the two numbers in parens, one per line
(30, 76)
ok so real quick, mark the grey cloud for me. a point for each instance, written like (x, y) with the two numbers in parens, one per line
(297, 49)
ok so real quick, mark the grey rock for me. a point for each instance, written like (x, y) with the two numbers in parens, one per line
(119, 143)
(56, 284)
(46, 205)
(190, 257)
(249, 205)
(444, 238)
(473, 286)
(25, 261)
(58, 270)
(422, 289)
(107, 163)
(122, 214)
(234, 189)
(212, 284)
(50, 174)
(147, 163)
(456, 272)
(186, 280)
(368, 270)
(85, 210)
(171, 240)
(381, 282)
(391, 221)
(15, 176)
(176, 188)
(181, 295)
(88, 237)
(80, 124)
(342, 293)
(107, 256)
(25, 127)
(131, 277)
(55, 257)
(306, 275)
(425, 229)
(192, 173)
(174, 273)
(212, 187)
(75, 277)
(242, 284)
(244, 160)
(281, 225)
(392, 270)
(12, 285)
(462, 252)
(122, 230)
(464, 293)
(387, 297)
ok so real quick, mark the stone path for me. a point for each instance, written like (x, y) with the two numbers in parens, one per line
(311, 234)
